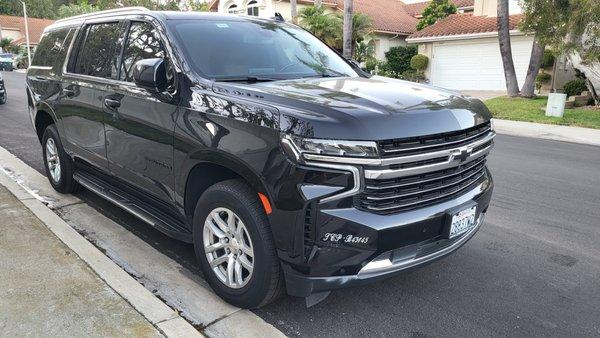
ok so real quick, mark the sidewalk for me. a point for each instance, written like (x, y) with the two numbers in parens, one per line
(48, 291)
(548, 131)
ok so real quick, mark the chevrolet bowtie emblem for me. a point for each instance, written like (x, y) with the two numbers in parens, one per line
(461, 154)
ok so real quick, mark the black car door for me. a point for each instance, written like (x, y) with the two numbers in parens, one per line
(94, 64)
(139, 125)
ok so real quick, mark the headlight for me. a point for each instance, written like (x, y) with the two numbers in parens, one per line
(326, 147)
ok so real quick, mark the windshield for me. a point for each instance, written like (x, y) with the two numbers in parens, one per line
(232, 49)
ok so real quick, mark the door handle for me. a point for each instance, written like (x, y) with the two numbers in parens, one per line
(112, 103)
(69, 92)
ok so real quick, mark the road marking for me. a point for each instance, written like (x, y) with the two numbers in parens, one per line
(126, 255)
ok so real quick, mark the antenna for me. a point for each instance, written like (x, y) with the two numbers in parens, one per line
(278, 17)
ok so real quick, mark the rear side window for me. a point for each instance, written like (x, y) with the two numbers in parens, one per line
(99, 52)
(52, 49)
(143, 43)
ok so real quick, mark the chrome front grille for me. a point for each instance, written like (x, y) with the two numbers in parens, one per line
(437, 171)
(429, 143)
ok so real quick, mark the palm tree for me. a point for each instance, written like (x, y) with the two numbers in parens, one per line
(326, 27)
(535, 62)
(5, 44)
(294, 4)
(347, 30)
(512, 86)
(362, 27)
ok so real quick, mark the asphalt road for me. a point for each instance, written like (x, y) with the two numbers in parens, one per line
(532, 270)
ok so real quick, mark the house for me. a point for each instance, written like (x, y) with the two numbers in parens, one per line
(416, 8)
(391, 21)
(13, 27)
(464, 53)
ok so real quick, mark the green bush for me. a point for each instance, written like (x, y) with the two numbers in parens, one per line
(398, 59)
(575, 87)
(371, 65)
(411, 75)
(542, 78)
(419, 62)
(547, 59)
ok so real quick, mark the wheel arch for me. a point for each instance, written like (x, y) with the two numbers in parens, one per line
(43, 118)
(208, 169)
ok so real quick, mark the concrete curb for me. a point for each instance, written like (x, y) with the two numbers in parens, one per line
(33, 189)
(548, 131)
(153, 309)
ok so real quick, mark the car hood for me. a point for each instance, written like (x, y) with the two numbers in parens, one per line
(374, 108)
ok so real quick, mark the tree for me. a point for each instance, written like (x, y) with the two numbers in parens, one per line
(362, 27)
(570, 27)
(435, 10)
(195, 5)
(364, 51)
(347, 28)
(512, 86)
(535, 62)
(5, 44)
(327, 27)
(398, 59)
(294, 5)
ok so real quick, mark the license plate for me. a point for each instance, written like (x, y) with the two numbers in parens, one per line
(462, 221)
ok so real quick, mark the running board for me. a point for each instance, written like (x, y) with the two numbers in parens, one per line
(142, 210)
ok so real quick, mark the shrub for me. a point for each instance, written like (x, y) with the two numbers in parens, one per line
(371, 65)
(419, 62)
(575, 87)
(547, 59)
(411, 75)
(398, 59)
(542, 78)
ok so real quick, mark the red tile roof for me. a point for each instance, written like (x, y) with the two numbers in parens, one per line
(460, 24)
(417, 8)
(36, 27)
(388, 15)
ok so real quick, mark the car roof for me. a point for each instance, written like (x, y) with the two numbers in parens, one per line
(164, 15)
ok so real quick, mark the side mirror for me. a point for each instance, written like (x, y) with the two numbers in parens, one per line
(150, 74)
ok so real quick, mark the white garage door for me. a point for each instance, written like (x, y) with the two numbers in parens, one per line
(476, 64)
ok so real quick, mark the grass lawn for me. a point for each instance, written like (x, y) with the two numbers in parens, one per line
(530, 110)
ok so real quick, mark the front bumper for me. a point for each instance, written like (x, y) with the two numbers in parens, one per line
(395, 243)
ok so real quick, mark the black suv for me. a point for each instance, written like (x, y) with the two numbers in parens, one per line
(283, 163)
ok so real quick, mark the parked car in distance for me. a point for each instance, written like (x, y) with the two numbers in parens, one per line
(6, 61)
(286, 166)
(3, 95)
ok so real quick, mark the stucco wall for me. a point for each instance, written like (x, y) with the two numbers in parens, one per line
(383, 43)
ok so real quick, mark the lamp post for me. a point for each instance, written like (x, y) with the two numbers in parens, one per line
(26, 34)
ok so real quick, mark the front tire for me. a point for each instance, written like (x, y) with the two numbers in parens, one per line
(59, 166)
(235, 247)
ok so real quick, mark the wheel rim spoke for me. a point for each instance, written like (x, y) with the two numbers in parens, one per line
(214, 247)
(238, 272)
(52, 160)
(215, 230)
(228, 248)
(218, 261)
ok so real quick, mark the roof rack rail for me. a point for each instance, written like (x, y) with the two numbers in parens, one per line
(108, 11)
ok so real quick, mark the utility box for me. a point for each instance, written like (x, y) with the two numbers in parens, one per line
(556, 104)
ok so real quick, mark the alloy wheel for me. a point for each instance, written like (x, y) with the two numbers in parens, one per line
(53, 160)
(228, 248)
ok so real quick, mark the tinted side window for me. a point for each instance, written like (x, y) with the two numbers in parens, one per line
(51, 49)
(143, 43)
(99, 52)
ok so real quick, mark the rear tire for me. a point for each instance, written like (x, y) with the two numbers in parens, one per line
(238, 207)
(59, 166)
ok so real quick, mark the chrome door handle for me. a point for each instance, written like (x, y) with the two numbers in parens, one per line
(112, 103)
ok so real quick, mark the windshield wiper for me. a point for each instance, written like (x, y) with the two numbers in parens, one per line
(251, 79)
